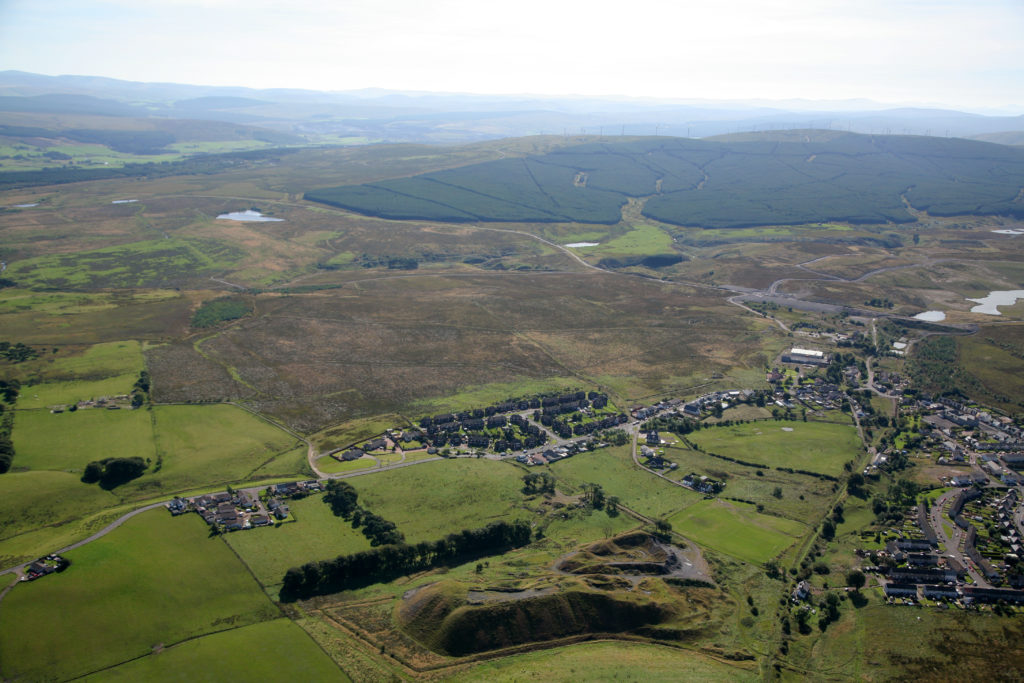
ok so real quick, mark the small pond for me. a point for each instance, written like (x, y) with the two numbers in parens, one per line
(577, 245)
(931, 316)
(248, 216)
(990, 304)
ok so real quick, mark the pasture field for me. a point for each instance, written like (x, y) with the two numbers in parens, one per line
(607, 661)
(69, 441)
(202, 445)
(642, 239)
(434, 499)
(187, 447)
(614, 470)
(100, 370)
(155, 581)
(802, 497)
(315, 534)
(291, 463)
(813, 446)
(36, 499)
(249, 651)
(737, 529)
(356, 432)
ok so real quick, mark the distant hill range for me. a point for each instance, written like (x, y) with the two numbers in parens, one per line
(389, 116)
(774, 178)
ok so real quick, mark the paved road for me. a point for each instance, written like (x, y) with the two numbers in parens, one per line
(954, 544)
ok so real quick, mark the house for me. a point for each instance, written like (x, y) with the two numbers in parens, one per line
(653, 438)
(801, 592)
(900, 590)
(260, 520)
(940, 592)
(246, 501)
(351, 454)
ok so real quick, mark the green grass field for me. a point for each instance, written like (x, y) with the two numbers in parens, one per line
(638, 490)
(641, 239)
(101, 370)
(802, 496)
(193, 446)
(248, 652)
(737, 529)
(156, 581)
(812, 446)
(609, 661)
(31, 500)
(431, 500)
(69, 441)
(201, 445)
(316, 534)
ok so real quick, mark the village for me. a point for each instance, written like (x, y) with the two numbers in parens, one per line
(964, 547)
(236, 510)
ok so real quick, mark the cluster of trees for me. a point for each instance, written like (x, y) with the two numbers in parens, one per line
(17, 352)
(112, 472)
(890, 507)
(8, 395)
(140, 389)
(543, 482)
(344, 502)
(220, 310)
(391, 561)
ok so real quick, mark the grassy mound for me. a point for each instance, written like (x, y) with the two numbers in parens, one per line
(439, 617)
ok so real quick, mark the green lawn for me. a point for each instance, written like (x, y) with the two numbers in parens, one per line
(433, 499)
(637, 489)
(813, 446)
(737, 529)
(69, 441)
(251, 651)
(316, 534)
(157, 580)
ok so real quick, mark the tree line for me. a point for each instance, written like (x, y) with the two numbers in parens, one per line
(388, 562)
(8, 395)
(343, 499)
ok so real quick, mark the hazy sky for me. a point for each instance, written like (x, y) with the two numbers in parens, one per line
(964, 53)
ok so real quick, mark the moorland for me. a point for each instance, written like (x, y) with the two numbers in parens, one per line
(406, 281)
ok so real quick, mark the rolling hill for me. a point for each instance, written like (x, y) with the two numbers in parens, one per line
(758, 179)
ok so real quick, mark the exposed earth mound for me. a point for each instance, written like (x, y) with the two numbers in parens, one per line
(441, 618)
